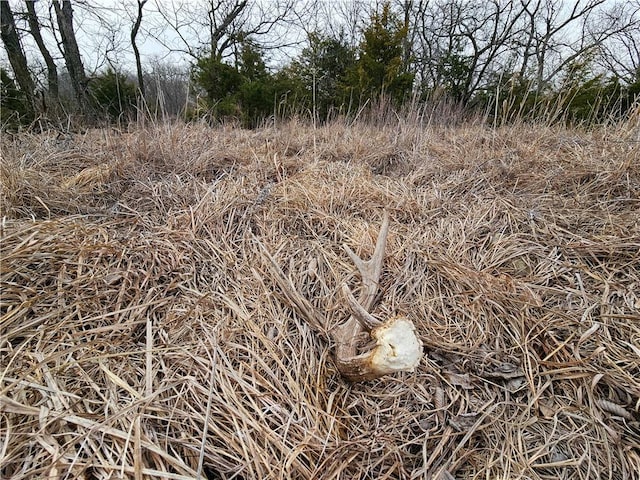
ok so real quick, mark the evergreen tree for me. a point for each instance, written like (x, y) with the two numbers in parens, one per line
(256, 92)
(220, 82)
(381, 69)
(246, 90)
(454, 69)
(322, 71)
(113, 94)
(15, 107)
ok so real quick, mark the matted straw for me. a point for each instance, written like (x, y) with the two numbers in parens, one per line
(144, 336)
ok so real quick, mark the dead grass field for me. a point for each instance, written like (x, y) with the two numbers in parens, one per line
(142, 335)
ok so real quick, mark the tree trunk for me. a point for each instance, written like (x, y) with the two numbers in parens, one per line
(15, 54)
(407, 42)
(136, 52)
(52, 69)
(71, 52)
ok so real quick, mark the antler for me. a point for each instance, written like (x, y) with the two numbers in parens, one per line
(397, 346)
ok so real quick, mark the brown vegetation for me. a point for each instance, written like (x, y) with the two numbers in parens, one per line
(143, 334)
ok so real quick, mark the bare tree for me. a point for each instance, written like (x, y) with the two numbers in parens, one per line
(71, 52)
(620, 52)
(136, 52)
(16, 56)
(167, 88)
(559, 33)
(35, 31)
(461, 44)
(621, 56)
(410, 37)
(221, 17)
(347, 17)
(216, 27)
(488, 33)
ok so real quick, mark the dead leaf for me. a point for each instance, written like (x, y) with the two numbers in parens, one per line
(463, 422)
(460, 380)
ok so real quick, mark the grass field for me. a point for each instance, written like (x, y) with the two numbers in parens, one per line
(143, 334)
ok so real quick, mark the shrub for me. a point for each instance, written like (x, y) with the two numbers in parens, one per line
(113, 94)
(14, 105)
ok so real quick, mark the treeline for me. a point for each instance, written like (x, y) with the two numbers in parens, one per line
(573, 61)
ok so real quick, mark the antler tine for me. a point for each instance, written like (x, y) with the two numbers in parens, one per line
(358, 311)
(296, 299)
(370, 270)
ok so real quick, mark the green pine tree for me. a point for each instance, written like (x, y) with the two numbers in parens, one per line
(381, 69)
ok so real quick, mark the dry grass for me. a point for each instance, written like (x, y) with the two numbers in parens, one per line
(142, 335)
